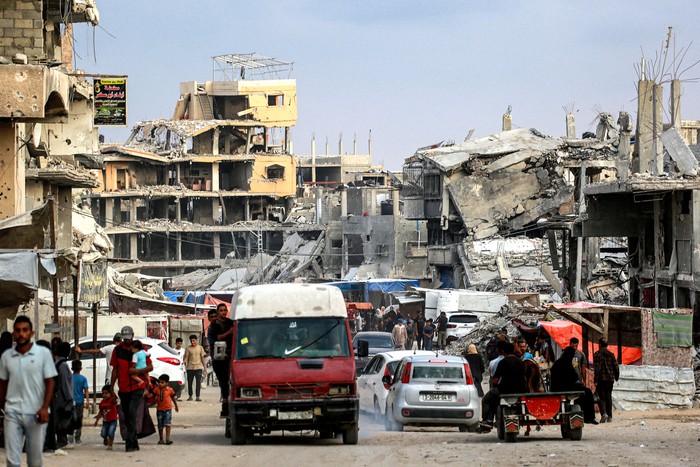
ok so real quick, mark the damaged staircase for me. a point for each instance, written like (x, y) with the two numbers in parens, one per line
(206, 107)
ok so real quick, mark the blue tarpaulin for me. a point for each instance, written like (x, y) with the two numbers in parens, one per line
(174, 296)
(375, 285)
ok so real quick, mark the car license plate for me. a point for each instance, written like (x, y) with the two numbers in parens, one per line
(437, 396)
(302, 415)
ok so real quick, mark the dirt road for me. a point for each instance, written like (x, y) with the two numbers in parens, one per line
(663, 437)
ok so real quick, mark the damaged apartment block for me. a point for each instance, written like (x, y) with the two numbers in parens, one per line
(217, 179)
(489, 201)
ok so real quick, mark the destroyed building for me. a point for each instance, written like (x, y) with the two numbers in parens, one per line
(513, 186)
(216, 180)
(219, 182)
(655, 205)
(48, 143)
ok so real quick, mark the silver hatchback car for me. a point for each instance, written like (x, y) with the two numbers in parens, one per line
(429, 390)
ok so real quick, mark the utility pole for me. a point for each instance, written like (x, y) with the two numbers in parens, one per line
(52, 232)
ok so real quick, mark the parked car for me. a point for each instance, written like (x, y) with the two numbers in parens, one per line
(427, 390)
(164, 358)
(459, 325)
(371, 388)
(378, 342)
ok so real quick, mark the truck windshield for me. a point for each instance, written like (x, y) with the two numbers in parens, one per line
(291, 338)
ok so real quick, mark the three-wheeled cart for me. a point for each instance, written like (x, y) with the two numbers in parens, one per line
(538, 409)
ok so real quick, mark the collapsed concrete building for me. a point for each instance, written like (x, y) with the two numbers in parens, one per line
(514, 185)
(218, 179)
(218, 182)
(655, 205)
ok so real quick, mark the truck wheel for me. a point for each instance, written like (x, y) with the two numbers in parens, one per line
(500, 423)
(238, 434)
(325, 434)
(351, 435)
(511, 437)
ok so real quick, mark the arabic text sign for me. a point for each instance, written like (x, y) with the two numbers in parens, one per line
(110, 101)
(93, 282)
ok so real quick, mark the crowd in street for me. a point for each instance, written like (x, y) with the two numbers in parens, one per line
(515, 370)
(44, 397)
(409, 333)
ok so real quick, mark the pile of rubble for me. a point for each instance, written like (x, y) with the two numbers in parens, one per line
(491, 326)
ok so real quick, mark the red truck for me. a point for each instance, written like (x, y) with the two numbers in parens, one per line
(292, 364)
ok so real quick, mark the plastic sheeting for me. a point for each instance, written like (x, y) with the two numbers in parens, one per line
(561, 331)
(20, 267)
(654, 387)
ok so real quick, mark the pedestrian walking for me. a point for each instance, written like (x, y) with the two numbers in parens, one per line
(63, 398)
(130, 393)
(165, 400)
(606, 372)
(400, 335)
(109, 415)
(420, 324)
(80, 395)
(428, 334)
(476, 365)
(441, 328)
(194, 364)
(26, 389)
(220, 334)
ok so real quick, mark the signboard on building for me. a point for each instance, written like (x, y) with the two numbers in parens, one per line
(93, 282)
(110, 101)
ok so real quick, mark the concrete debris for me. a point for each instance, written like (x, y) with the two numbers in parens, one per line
(135, 285)
(508, 180)
(88, 235)
(489, 327)
(680, 152)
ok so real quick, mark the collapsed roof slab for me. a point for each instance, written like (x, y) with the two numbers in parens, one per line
(449, 158)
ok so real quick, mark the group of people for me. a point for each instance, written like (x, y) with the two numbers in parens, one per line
(515, 371)
(410, 333)
(44, 398)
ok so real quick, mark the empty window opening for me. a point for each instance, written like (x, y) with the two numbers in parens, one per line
(275, 172)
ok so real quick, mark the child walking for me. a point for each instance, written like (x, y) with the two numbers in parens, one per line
(165, 399)
(80, 395)
(108, 414)
(138, 361)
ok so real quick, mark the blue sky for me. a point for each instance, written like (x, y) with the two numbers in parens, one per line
(414, 72)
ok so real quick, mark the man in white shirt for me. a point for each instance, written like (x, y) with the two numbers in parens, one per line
(26, 389)
(107, 352)
(178, 348)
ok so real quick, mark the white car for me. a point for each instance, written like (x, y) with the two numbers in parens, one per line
(370, 387)
(459, 325)
(164, 358)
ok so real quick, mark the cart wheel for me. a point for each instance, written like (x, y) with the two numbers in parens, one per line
(500, 423)
(576, 434)
(565, 430)
(511, 437)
